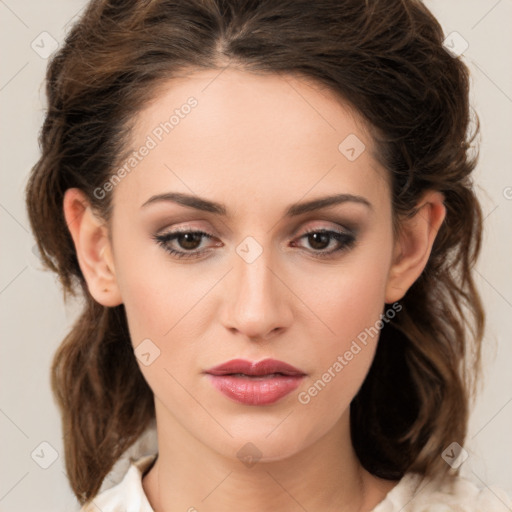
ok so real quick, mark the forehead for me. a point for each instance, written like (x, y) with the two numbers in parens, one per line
(262, 136)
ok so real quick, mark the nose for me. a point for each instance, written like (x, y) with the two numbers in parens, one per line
(256, 302)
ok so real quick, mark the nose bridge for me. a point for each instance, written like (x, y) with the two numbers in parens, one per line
(255, 300)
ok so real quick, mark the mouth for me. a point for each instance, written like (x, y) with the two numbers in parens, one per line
(260, 383)
(266, 367)
(256, 377)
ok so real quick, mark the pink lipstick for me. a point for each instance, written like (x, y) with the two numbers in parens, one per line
(255, 383)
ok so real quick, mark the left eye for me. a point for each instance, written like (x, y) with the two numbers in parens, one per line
(321, 238)
(189, 241)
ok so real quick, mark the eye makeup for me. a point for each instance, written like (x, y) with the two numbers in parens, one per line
(172, 240)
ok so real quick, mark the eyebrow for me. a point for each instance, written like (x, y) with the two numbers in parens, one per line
(293, 210)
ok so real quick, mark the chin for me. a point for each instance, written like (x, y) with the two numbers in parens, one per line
(264, 443)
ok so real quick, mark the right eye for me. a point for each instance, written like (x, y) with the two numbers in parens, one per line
(186, 239)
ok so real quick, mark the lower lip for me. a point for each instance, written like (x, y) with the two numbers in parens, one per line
(255, 390)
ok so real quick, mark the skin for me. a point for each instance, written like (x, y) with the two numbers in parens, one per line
(255, 143)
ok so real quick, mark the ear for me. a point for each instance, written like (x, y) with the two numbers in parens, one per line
(93, 248)
(414, 244)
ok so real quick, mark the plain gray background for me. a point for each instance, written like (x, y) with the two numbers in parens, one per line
(34, 318)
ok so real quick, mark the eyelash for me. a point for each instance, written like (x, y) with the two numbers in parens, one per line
(346, 239)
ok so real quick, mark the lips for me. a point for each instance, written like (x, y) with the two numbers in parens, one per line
(248, 368)
(255, 383)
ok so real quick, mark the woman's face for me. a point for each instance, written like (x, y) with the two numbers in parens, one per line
(258, 147)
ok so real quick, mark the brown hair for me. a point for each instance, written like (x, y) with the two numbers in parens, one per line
(386, 59)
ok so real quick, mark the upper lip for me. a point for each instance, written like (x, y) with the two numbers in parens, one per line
(264, 367)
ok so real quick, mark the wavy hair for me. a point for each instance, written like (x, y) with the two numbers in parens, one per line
(386, 59)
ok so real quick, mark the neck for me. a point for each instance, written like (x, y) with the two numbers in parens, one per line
(326, 475)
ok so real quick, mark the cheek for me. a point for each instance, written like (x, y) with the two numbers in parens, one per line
(156, 294)
(156, 312)
(164, 304)
(350, 302)
(349, 299)
(145, 306)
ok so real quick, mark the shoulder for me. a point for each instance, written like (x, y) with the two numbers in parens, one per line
(128, 494)
(415, 493)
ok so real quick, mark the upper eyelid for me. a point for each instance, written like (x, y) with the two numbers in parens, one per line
(343, 230)
(344, 223)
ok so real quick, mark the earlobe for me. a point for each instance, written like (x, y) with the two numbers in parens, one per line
(93, 248)
(414, 245)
